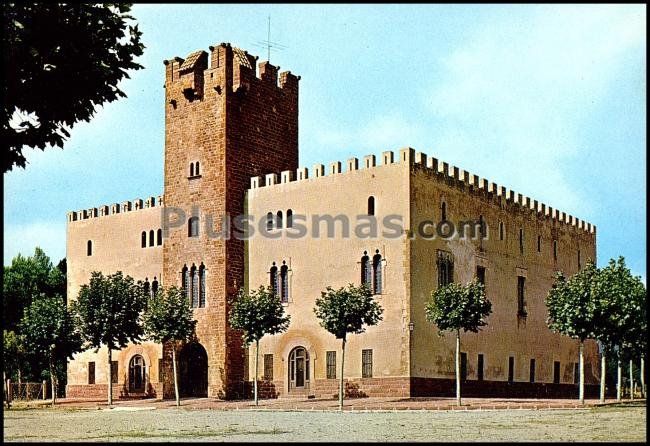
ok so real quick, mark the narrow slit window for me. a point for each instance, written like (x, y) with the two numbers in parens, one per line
(284, 283)
(197, 172)
(273, 273)
(377, 273)
(279, 220)
(143, 239)
(202, 286)
(539, 243)
(521, 241)
(151, 236)
(89, 248)
(366, 271)
(502, 231)
(269, 221)
(191, 169)
(371, 205)
(195, 286)
(289, 218)
(185, 278)
(443, 211)
(159, 237)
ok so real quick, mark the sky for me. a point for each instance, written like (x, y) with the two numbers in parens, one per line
(547, 100)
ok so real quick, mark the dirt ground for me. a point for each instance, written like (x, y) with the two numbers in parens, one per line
(142, 422)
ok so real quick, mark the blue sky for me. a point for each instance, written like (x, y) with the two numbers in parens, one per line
(547, 100)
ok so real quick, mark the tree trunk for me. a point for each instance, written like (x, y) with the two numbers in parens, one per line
(581, 392)
(631, 379)
(257, 355)
(619, 380)
(110, 378)
(53, 380)
(341, 380)
(458, 402)
(642, 377)
(603, 373)
(176, 393)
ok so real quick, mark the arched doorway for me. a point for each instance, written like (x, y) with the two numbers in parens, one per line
(298, 369)
(137, 374)
(193, 370)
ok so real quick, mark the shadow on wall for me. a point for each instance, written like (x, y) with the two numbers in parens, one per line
(352, 391)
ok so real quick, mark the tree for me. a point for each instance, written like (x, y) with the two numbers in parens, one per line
(60, 62)
(571, 305)
(109, 310)
(168, 318)
(256, 314)
(455, 307)
(13, 353)
(25, 278)
(49, 330)
(347, 310)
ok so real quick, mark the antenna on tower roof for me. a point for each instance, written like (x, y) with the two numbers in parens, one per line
(268, 43)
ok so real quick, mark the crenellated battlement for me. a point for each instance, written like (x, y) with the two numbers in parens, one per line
(224, 69)
(115, 208)
(439, 170)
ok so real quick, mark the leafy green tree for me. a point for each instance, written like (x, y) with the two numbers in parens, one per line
(347, 310)
(25, 278)
(13, 353)
(572, 309)
(61, 60)
(109, 310)
(455, 307)
(258, 313)
(49, 329)
(168, 318)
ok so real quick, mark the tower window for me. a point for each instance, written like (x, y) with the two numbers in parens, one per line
(376, 273)
(443, 211)
(273, 273)
(284, 283)
(371, 205)
(143, 238)
(279, 219)
(521, 241)
(195, 286)
(289, 218)
(197, 171)
(445, 268)
(89, 248)
(579, 260)
(366, 271)
(185, 277)
(159, 238)
(151, 233)
(269, 221)
(555, 250)
(191, 169)
(539, 243)
(502, 231)
(521, 286)
(193, 227)
(202, 286)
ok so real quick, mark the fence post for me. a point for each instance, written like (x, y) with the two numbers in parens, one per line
(44, 389)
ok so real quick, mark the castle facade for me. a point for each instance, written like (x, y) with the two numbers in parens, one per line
(404, 224)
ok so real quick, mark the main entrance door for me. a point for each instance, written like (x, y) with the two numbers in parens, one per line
(137, 374)
(299, 369)
(193, 370)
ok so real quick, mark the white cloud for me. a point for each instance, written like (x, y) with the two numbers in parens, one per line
(48, 235)
(517, 91)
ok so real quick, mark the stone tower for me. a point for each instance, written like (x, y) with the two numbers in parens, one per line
(223, 125)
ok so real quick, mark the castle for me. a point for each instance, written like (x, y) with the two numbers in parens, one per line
(231, 149)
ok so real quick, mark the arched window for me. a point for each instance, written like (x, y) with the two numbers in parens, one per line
(159, 238)
(143, 238)
(284, 283)
(273, 273)
(279, 217)
(193, 227)
(269, 221)
(146, 286)
(443, 211)
(289, 218)
(195, 286)
(137, 374)
(191, 169)
(202, 285)
(371, 205)
(502, 231)
(366, 271)
(154, 286)
(377, 273)
(151, 237)
(197, 172)
(89, 248)
(185, 277)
